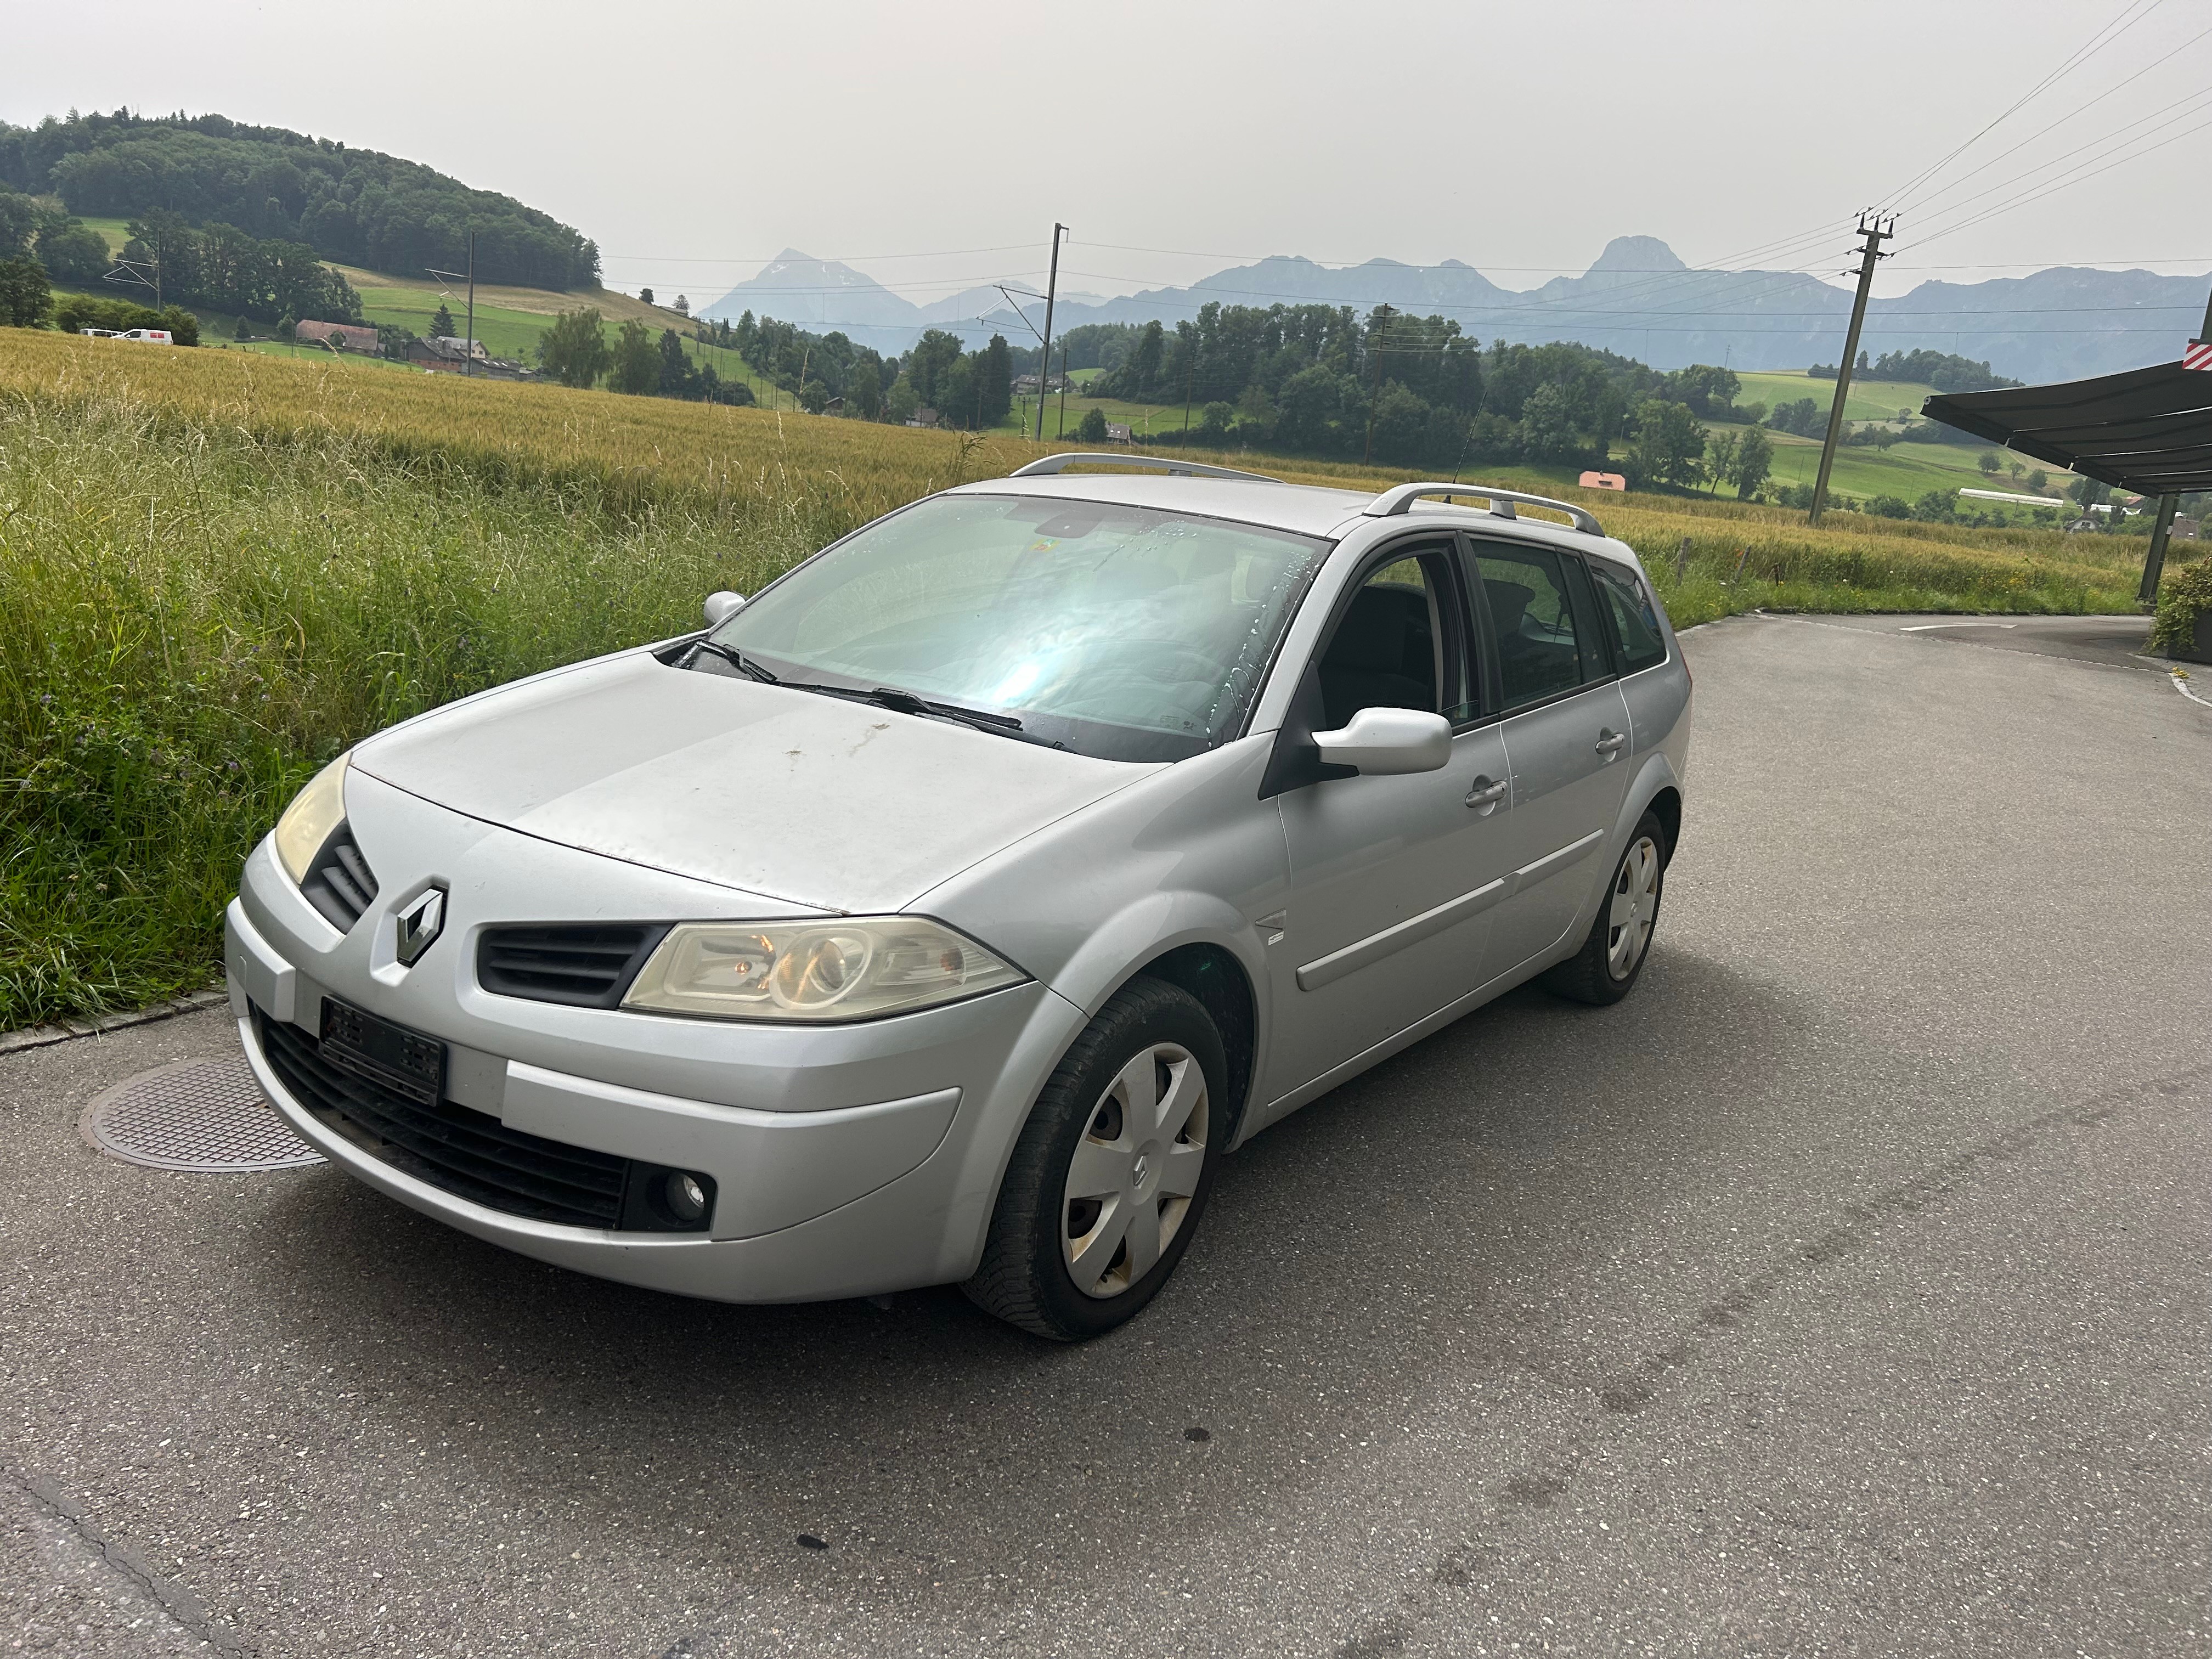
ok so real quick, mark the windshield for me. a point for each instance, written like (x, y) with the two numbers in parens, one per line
(1121, 632)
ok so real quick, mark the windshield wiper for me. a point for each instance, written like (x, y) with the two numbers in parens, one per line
(738, 660)
(906, 702)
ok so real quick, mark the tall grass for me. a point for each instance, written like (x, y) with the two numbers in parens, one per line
(217, 571)
(192, 620)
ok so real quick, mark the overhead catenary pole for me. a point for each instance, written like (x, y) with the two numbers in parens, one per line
(1877, 228)
(1383, 316)
(1044, 357)
(469, 351)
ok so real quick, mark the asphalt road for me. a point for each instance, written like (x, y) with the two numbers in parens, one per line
(1846, 1292)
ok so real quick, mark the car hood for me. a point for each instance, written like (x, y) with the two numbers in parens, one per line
(789, 794)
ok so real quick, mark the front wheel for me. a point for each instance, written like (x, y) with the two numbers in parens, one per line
(1107, 1182)
(1605, 970)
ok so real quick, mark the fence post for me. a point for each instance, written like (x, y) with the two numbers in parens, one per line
(1740, 559)
(1681, 561)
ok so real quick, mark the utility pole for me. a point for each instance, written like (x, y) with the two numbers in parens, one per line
(1062, 433)
(1877, 228)
(1044, 357)
(469, 356)
(1383, 316)
(1190, 380)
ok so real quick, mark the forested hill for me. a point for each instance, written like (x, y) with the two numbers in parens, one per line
(358, 207)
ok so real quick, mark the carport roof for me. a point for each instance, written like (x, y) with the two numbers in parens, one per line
(2147, 429)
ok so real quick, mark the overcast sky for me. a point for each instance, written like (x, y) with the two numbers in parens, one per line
(695, 143)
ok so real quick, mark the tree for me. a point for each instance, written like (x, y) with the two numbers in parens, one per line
(637, 365)
(25, 292)
(441, 323)
(864, 393)
(2039, 480)
(1890, 507)
(646, 295)
(1990, 462)
(994, 382)
(1667, 445)
(1548, 426)
(1754, 459)
(574, 351)
(902, 400)
(2016, 469)
(1213, 421)
(678, 377)
(239, 332)
(1091, 429)
(72, 251)
(1720, 459)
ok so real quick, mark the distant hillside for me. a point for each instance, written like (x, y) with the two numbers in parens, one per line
(1637, 299)
(356, 206)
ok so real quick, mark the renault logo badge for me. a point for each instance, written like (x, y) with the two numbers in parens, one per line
(419, 924)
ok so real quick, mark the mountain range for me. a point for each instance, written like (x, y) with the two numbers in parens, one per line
(1637, 299)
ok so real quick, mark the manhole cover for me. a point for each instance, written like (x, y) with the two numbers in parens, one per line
(196, 1114)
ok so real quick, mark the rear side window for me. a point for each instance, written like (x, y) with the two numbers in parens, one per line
(1635, 621)
(1540, 651)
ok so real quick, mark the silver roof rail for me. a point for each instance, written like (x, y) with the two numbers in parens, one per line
(1052, 464)
(1397, 499)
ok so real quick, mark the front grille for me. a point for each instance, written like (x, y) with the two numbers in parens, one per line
(468, 1153)
(584, 965)
(339, 883)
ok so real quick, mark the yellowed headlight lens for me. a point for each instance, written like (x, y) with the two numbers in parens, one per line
(307, 822)
(850, 969)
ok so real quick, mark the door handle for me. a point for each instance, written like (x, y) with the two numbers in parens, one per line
(1610, 742)
(1485, 793)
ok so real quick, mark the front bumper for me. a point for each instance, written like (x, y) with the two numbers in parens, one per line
(889, 1188)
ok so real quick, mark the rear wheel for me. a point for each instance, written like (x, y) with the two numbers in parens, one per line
(1605, 969)
(1106, 1184)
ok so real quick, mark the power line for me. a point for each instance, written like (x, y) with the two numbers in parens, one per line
(2082, 109)
(2081, 54)
(1996, 208)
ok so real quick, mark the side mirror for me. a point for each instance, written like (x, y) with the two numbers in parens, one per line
(721, 605)
(1383, 742)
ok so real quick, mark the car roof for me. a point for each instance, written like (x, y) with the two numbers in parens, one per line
(1302, 508)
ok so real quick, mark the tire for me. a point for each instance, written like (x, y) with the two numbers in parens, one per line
(1067, 1264)
(1612, 958)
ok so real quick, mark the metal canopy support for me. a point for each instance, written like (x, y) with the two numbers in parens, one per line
(2155, 561)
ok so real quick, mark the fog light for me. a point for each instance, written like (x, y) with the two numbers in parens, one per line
(685, 1197)
(659, 1200)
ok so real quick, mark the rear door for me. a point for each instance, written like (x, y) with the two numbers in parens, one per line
(1566, 737)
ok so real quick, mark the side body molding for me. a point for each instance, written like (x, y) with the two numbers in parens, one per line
(1327, 970)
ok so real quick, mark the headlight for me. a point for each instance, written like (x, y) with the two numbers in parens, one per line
(307, 822)
(849, 968)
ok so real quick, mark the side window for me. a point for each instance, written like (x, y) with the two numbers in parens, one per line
(1635, 622)
(1540, 650)
(1398, 645)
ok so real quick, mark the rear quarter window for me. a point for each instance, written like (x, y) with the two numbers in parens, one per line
(1635, 619)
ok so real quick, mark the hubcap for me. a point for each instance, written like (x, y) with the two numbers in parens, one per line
(1134, 1171)
(1635, 908)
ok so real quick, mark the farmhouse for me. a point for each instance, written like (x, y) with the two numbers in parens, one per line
(340, 337)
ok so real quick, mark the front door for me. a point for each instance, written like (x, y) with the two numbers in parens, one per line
(1392, 879)
(1566, 734)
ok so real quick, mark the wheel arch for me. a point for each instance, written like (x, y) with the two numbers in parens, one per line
(1212, 975)
(1666, 806)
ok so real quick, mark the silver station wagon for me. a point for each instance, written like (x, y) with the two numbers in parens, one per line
(945, 911)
